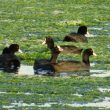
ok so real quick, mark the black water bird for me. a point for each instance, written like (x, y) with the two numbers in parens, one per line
(80, 36)
(66, 48)
(9, 62)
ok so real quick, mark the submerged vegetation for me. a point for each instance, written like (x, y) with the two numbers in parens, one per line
(28, 23)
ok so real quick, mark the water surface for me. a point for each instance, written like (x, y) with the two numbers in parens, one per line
(28, 70)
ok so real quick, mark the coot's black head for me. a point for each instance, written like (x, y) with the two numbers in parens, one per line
(11, 49)
(89, 52)
(14, 48)
(49, 41)
(82, 30)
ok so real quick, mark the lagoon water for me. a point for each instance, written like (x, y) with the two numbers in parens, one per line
(105, 104)
(28, 70)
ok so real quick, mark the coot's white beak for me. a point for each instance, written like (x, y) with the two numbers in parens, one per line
(94, 54)
(87, 34)
(60, 49)
(20, 51)
(44, 42)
